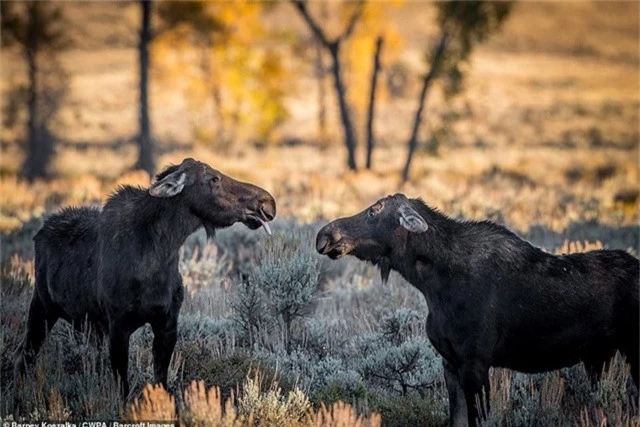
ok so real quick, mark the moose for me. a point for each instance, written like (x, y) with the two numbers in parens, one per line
(495, 300)
(117, 267)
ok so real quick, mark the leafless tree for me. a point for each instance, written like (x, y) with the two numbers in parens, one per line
(333, 46)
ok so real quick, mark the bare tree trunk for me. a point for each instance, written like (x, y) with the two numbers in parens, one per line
(322, 94)
(39, 141)
(372, 100)
(210, 74)
(145, 142)
(30, 167)
(334, 50)
(320, 74)
(426, 83)
(221, 131)
(345, 113)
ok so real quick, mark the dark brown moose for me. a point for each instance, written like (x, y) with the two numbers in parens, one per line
(117, 267)
(494, 299)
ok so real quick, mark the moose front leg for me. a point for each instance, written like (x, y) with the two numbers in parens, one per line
(119, 335)
(165, 334)
(457, 402)
(475, 383)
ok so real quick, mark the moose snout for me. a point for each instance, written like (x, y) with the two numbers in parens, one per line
(268, 208)
(264, 205)
(322, 243)
(327, 237)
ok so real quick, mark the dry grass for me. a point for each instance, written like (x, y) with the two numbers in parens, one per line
(207, 407)
(155, 404)
(526, 187)
(534, 399)
(573, 247)
(545, 132)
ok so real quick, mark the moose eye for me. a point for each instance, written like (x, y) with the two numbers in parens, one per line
(215, 179)
(373, 211)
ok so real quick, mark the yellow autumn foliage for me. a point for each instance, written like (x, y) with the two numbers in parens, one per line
(234, 88)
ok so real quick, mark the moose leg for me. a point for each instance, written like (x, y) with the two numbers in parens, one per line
(457, 403)
(165, 334)
(475, 382)
(119, 336)
(40, 321)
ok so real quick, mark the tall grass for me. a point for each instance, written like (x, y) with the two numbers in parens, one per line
(354, 340)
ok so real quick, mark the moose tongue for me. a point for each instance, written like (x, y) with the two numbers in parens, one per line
(264, 224)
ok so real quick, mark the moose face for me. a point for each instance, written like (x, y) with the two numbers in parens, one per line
(373, 234)
(216, 199)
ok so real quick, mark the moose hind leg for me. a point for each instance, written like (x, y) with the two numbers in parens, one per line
(165, 334)
(119, 352)
(40, 321)
(630, 348)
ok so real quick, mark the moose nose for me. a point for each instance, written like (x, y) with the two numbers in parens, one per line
(322, 243)
(325, 238)
(265, 205)
(268, 208)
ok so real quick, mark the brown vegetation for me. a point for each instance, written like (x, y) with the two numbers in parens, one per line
(545, 132)
(550, 110)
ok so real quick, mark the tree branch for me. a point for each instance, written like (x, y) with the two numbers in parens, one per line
(301, 5)
(372, 100)
(426, 82)
(352, 22)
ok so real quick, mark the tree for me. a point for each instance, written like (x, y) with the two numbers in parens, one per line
(37, 29)
(244, 85)
(426, 83)
(145, 142)
(372, 99)
(320, 71)
(333, 47)
(463, 24)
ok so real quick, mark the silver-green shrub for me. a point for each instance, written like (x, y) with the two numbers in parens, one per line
(287, 274)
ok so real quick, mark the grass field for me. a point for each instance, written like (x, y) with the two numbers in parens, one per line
(544, 139)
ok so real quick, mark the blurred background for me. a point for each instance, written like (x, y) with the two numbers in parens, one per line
(528, 112)
(525, 113)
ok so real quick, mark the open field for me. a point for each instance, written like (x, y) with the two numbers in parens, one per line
(546, 131)
(544, 139)
(354, 340)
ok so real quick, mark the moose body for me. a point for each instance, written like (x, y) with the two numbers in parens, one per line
(495, 300)
(117, 267)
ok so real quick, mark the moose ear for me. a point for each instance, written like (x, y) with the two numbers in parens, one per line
(411, 220)
(170, 185)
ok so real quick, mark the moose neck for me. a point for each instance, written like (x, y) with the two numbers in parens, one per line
(452, 253)
(169, 225)
(155, 227)
(432, 258)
